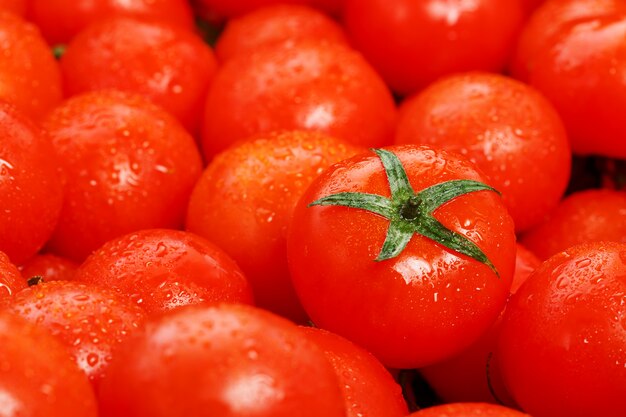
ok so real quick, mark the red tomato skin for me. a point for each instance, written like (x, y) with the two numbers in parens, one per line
(30, 78)
(368, 388)
(598, 215)
(306, 84)
(167, 64)
(245, 199)
(468, 410)
(249, 362)
(37, 376)
(11, 280)
(561, 348)
(426, 304)
(30, 185)
(49, 267)
(60, 21)
(412, 43)
(218, 10)
(160, 270)
(129, 166)
(14, 6)
(508, 129)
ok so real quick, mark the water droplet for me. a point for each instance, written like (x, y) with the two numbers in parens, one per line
(583, 263)
(92, 359)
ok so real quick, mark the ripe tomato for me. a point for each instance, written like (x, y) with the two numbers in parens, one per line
(420, 300)
(49, 267)
(170, 65)
(30, 188)
(412, 43)
(11, 279)
(307, 84)
(60, 20)
(509, 130)
(598, 215)
(216, 10)
(468, 410)
(160, 270)
(129, 166)
(561, 348)
(29, 76)
(37, 376)
(227, 361)
(272, 25)
(244, 200)
(14, 6)
(531, 5)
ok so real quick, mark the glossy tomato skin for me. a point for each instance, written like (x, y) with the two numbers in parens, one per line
(168, 64)
(30, 185)
(508, 129)
(583, 217)
(245, 199)
(14, 6)
(306, 84)
(60, 21)
(412, 43)
(160, 270)
(37, 376)
(468, 410)
(562, 341)
(226, 360)
(29, 76)
(368, 388)
(49, 267)
(422, 306)
(11, 280)
(129, 166)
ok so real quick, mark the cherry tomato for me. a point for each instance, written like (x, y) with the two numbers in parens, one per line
(561, 348)
(30, 189)
(11, 279)
(129, 166)
(509, 130)
(228, 361)
(412, 43)
(307, 84)
(160, 270)
(216, 10)
(468, 410)
(49, 267)
(37, 376)
(14, 6)
(170, 65)
(244, 200)
(419, 300)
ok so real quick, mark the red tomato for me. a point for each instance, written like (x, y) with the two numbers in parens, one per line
(273, 25)
(583, 217)
(368, 388)
(308, 85)
(509, 130)
(61, 20)
(468, 410)
(244, 200)
(37, 376)
(428, 301)
(49, 267)
(561, 348)
(160, 270)
(129, 164)
(11, 279)
(30, 187)
(412, 43)
(531, 5)
(216, 10)
(227, 361)
(29, 76)
(15, 6)
(170, 65)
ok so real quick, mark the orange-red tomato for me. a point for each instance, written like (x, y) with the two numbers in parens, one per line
(50, 267)
(468, 410)
(11, 280)
(14, 6)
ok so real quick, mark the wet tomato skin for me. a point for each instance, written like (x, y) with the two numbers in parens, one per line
(49, 267)
(11, 280)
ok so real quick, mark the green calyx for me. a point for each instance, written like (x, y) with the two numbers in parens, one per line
(409, 212)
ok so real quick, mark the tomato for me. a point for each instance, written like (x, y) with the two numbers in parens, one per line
(468, 410)
(412, 43)
(60, 21)
(14, 6)
(160, 270)
(11, 279)
(30, 187)
(245, 198)
(170, 65)
(216, 10)
(531, 5)
(368, 388)
(406, 298)
(129, 166)
(49, 267)
(509, 130)
(29, 76)
(37, 376)
(583, 217)
(227, 360)
(562, 343)
(307, 84)
(272, 25)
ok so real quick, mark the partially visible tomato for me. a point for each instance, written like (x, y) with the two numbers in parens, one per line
(469, 410)
(218, 10)
(531, 5)
(11, 280)
(49, 267)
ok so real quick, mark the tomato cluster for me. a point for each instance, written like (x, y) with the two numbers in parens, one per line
(304, 208)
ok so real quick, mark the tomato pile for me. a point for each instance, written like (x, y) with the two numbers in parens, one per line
(305, 208)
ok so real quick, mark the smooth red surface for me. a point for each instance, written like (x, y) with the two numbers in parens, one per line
(129, 166)
(468, 410)
(160, 270)
(15, 6)
(11, 281)
(49, 267)
(217, 10)
(308, 85)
